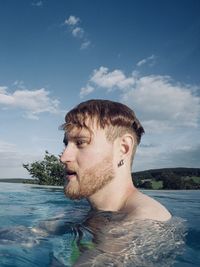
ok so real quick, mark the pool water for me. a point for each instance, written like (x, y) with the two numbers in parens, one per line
(40, 227)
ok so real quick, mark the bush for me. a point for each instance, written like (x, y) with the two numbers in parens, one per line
(48, 171)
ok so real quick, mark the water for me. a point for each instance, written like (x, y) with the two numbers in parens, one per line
(40, 227)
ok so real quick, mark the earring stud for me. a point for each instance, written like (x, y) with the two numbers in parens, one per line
(120, 163)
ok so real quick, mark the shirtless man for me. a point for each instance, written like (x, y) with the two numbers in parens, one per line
(101, 138)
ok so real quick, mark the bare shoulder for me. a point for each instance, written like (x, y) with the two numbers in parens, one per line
(141, 206)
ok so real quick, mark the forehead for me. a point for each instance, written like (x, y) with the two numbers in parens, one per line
(89, 127)
(77, 132)
(95, 134)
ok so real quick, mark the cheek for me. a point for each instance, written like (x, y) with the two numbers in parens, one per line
(91, 157)
(86, 159)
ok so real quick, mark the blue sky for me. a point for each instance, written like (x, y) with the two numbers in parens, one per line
(55, 54)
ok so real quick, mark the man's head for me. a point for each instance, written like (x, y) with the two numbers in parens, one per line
(103, 126)
(114, 117)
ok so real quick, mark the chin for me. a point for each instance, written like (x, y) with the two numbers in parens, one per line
(72, 193)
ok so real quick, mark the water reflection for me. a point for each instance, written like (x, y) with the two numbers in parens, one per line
(104, 239)
(118, 240)
(36, 231)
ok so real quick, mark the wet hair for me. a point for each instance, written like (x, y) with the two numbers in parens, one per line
(115, 117)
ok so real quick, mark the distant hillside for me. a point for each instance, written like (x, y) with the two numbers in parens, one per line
(168, 178)
(17, 180)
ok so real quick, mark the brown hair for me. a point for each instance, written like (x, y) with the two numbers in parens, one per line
(116, 116)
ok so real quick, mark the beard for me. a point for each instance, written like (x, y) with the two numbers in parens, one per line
(91, 180)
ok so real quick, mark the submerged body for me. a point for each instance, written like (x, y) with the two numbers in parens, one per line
(60, 232)
(118, 240)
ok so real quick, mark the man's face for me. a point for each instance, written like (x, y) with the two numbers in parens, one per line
(88, 160)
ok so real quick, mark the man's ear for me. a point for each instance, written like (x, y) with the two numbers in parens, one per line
(126, 145)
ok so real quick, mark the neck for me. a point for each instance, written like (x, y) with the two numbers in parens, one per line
(114, 195)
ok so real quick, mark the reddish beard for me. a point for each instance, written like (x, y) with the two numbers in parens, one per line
(91, 180)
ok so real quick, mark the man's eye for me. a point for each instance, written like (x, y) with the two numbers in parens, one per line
(80, 143)
(65, 141)
(65, 144)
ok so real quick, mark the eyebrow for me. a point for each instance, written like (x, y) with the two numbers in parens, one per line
(74, 138)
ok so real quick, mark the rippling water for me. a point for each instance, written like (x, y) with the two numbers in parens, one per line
(40, 227)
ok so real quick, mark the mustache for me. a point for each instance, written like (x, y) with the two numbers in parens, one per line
(70, 169)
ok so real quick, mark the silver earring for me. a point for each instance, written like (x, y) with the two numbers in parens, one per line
(121, 163)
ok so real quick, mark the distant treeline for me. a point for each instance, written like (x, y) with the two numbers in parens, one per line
(50, 171)
(168, 178)
(18, 180)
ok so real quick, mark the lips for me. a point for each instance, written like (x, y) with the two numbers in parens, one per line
(70, 174)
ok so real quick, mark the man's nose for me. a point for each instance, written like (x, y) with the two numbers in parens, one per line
(68, 154)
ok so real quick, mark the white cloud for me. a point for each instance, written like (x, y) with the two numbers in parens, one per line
(19, 84)
(85, 44)
(148, 158)
(186, 156)
(33, 102)
(162, 157)
(37, 4)
(5, 146)
(160, 103)
(78, 32)
(110, 80)
(8, 155)
(163, 104)
(3, 89)
(72, 20)
(86, 91)
(11, 160)
(150, 60)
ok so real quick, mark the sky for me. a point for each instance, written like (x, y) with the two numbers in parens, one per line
(56, 54)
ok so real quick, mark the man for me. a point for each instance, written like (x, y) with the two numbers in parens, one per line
(101, 138)
(124, 227)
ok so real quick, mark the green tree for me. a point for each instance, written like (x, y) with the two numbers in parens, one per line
(147, 185)
(172, 182)
(49, 171)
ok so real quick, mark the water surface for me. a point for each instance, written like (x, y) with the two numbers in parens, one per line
(40, 227)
